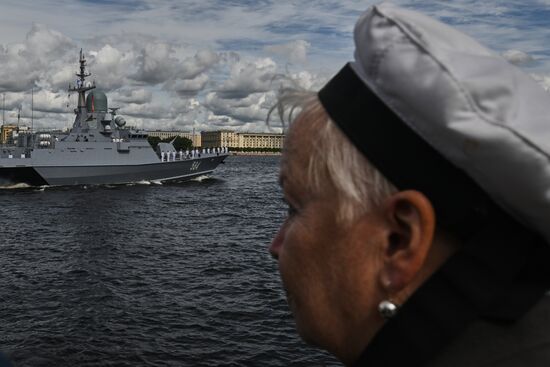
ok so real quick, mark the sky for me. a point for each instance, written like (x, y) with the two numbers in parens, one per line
(216, 64)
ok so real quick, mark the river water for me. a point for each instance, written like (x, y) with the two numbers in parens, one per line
(148, 275)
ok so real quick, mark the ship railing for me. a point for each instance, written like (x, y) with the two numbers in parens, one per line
(173, 156)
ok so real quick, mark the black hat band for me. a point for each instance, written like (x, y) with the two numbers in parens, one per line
(402, 156)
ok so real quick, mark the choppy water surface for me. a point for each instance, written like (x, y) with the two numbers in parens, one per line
(148, 275)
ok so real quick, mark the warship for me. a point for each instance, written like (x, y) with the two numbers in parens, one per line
(98, 149)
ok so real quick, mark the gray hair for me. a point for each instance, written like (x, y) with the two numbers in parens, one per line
(359, 185)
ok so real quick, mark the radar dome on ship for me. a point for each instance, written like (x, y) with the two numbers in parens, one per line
(96, 101)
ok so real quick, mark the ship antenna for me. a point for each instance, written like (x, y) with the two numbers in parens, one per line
(83, 74)
(81, 87)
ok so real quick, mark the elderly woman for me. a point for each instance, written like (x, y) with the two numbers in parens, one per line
(418, 187)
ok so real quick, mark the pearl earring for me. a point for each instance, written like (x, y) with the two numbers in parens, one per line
(387, 309)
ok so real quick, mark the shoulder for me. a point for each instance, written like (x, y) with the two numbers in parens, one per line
(522, 343)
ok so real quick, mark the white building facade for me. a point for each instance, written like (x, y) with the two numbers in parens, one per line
(232, 139)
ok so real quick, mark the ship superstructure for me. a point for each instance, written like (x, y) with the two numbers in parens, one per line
(98, 149)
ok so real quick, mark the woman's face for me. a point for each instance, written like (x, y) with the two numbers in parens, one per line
(330, 270)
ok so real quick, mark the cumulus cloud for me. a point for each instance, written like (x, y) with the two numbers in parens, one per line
(43, 42)
(306, 80)
(24, 63)
(206, 63)
(295, 51)
(111, 66)
(156, 63)
(252, 108)
(247, 77)
(153, 110)
(157, 84)
(201, 62)
(60, 79)
(517, 57)
(47, 101)
(132, 95)
(155, 81)
(183, 114)
(12, 101)
(16, 73)
(188, 87)
(162, 72)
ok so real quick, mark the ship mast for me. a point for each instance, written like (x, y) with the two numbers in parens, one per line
(81, 87)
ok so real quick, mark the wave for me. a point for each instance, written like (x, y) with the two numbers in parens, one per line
(15, 186)
(142, 182)
(200, 178)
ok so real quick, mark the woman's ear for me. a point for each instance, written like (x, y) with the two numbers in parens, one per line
(410, 220)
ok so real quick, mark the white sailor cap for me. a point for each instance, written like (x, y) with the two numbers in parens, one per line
(435, 111)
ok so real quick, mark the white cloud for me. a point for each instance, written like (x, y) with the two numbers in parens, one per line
(308, 81)
(45, 43)
(295, 51)
(188, 87)
(201, 62)
(209, 63)
(156, 63)
(132, 95)
(111, 66)
(47, 101)
(60, 79)
(252, 108)
(23, 64)
(152, 110)
(247, 77)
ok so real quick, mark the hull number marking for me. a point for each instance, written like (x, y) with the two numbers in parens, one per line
(195, 166)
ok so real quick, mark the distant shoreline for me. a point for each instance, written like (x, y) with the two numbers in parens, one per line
(256, 153)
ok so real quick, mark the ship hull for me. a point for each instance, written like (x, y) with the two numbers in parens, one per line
(15, 175)
(109, 174)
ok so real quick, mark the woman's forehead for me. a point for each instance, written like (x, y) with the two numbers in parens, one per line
(297, 153)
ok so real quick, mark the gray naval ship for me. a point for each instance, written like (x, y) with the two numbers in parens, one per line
(99, 149)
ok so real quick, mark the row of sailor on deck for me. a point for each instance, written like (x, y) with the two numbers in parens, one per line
(193, 153)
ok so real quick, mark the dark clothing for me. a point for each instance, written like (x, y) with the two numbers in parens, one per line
(484, 344)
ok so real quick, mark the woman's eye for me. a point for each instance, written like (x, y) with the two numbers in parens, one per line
(291, 211)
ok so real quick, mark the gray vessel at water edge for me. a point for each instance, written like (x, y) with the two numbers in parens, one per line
(99, 149)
